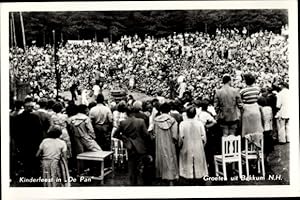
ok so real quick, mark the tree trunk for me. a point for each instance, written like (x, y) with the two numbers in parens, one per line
(11, 33)
(14, 30)
(23, 31)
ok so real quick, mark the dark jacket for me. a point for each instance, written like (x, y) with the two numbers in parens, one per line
(227, 103)
(134, 134)
(141, 115)
(44, 120)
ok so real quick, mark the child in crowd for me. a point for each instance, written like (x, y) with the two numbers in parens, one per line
(53, 152)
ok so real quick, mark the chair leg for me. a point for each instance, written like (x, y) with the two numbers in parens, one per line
(224, 171)
(240, 169)
(263, 166)
(258, 167)
(247, 167)
(216, 167)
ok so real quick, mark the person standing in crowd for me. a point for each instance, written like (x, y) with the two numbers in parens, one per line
(84, 97)
(213, 143)
(182, 88)
(14, 114)
(137, 112)
(43, 115)
(154, 113)
(96, 89)
(175, 111)
(28, 135)
(204, 116)
(102, 121)
(267, 122)
(73, 90)
(61, 120)
(227, 103)
(283, 114)
(82, 132)
(134, 134)
(53, 152)
(18, 108)
(166, 138)
(251, 116)
(192, 138)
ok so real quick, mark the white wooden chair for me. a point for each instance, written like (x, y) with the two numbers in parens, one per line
(231, 153)
(120, 152)
(254, 150)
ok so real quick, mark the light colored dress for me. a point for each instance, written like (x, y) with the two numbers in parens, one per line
(61, 120)
(53, 165)
(192, 160)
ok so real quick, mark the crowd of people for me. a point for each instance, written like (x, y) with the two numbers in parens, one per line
(155, 64)
(204, 87)
(164, 139)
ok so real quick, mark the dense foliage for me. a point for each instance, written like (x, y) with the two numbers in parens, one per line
(114, 24)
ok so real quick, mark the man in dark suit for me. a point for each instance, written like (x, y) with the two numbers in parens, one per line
(44, 116)
(227, 103)
(134, 134)
(28, 134)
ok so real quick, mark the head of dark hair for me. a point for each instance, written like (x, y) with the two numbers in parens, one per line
(72, 109)
(178, 105)
(187, 94)
(191, 112)
(100, 98)
(226, 79)
(57, 107)
(54, 132)
(155, 103)
(18, 104)
(122, 106)
(28, 100)
(92, 104)
(165, 108)
(204, 104)
(51, 103)
(43, 102)
(249, 79)
(82, 108)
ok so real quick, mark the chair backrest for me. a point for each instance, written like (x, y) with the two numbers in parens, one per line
(254, 142)
(231, 146)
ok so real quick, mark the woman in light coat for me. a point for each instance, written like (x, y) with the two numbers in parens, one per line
(192, 138)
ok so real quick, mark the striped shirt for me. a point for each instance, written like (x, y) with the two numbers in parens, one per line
(250, 94)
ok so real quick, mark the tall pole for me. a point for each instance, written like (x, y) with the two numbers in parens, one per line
(61, 37)
(54, 63)
(14, 29)
(11, 33)
(23, 31)
(248, 29)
